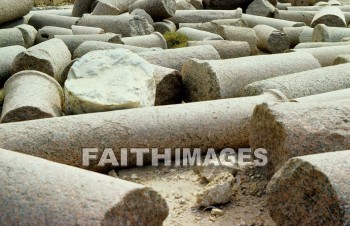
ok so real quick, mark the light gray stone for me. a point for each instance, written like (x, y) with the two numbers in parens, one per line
(322, 33)
(215, 24)
(296, 16)
(81, 7)
(157, 9)
(155, 39)
(7, 55)
(306, 35)
(11, 37)
(83, 30)
(198, 35)
(49, 32)
(39, 21)
(329, 16)
(164, 26)
(14, 9)
(105, 7)
(184, 5)
(271, 39)
(28, 33)
(254, 20)
(293, 34)
(261, 8)
(342, 59)
(108, 80)
(325, 97)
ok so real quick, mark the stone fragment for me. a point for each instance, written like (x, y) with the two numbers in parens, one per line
(329, 16)
(184, 5)
(142, 13)
(14, 9)
(81, 7)
(7, 55)
(112, 80)
(198, 35)
(271, 39)
(35, 191)
(323, 179)
(104, 7)
(28, 33)
(306, 35)
(164, 26)
(198, 4)
(31, 95)
(157, 9)
(260, 8)
(307, 45)
(293, 34)
(322, 33)
(217, 79)
(213, 26)
(50, 57)
(155, 39)
(49, 32)
(296, 16)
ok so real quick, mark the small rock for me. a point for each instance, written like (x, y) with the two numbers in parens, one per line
(217, 212)
(134, 177)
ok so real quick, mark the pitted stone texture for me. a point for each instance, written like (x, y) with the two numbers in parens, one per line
(329, 16)
(323, 179)
(306, 45)
(83, 30)
(261, 8)
(157, 9)
(304, 83)
(11, 37)
(322, 33)
(31, 95)
(14, 9)
(212, 124)
(105, 7)
(198, 35)
(271, 39)
(7, 55)
(293, 129)
(175, 58)
(81, 7)
(35, 191)
(50, 57)
(306, 35)
(297, 16)
(293, 34)
(108, 80)
(216, 79)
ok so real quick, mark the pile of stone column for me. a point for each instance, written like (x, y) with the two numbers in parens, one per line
(253, 74)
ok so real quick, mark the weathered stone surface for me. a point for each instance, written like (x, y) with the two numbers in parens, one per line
(81, 7)
(226, 49)
(35, 191)
(213, 26)
(184, 5)
(306, 35)
(233, 33)
(323, 179)
(50, 57)
(143, 13)
(83, 30)
(271, 39)
(212, 124)
(254, 20)
(31, 95)
(49, 32)
(7, 55)
(297, 16)
(261, 8)
(164, 26)
(283, 6)
(155, 39)
(198, 35)
(169, 86)
(307, 45)
(126, 25)
(304, 83)
(322, 33)
(293, 34)
(342, 59)
(157, 9)
(74, 41)
(201, 16)
(324, 97)
(28, 33)
(287, 130)
(198, 4)
(345, 8)
(14, 9)
(326, 55)
(39, 21)
(329, 16)
(11, 37)
(109, 80)
(218, 191)
(105, 7)
(216, 79)
(175, 58)
(89, 46)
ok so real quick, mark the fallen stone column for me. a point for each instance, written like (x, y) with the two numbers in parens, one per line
(306, 35)
(157, 9)
(276, 23)
(184, 5)
(293, 34)
(232, 33)
(28, 33)
(53, 62)
(89, 46)
(11, 37)
(14, 9)
(304, 83)
(126, 25)
(323, 179)
(105, 8)
(81, 7)
(198, 35)
(39, 21)
(283, 6)
(297, 16)
(307, 45)
(49, 32)
(7, 55)
(164, 26)
(325, 97)
(155, 39)
(31, 95)
(169, 86)
(322, 33)
(217, 79)
(271, 39)
(214, 25)
(345, 8)
(74, 41)
(212, 124)
(82, 30)
(292, 129)
(175, 58)
(32, 192)
(226, 49)
(120, 6)
(261, 8)
(325, 55)
(329, 16)
(342, 59)
(201, 16)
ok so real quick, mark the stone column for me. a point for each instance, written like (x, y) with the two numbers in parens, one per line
(304, 83)
(155, 39)
(306, 35)
(211, 124)
(322, 33)
(14, 9)
(157, 9)
(271, 39)
(324, 97)
(28, 33)
(31, 95)
(289, 129)
(35, 191)
(39, 21)
(297, 16)
(164, 26)
(293, 34)
(198, 35)
(11, 37)
(83, 30)
(276, 23)
(49, 32)
(307, 45)
(7, 55)
(216, 79)
(81, 7)
(312, 190)
(329, 16)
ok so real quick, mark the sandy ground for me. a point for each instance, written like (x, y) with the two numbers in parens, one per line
(180, 185)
